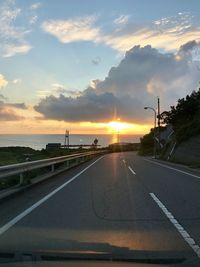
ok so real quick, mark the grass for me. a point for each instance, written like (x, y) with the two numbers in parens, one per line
(13, 155)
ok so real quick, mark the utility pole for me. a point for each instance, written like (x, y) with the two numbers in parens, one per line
(158, 122)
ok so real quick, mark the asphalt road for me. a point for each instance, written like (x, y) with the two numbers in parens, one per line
(118, 202)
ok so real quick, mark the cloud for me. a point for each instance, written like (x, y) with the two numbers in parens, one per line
(3, 81)
(16, 105)
(80, 29)
(35, 6)
(12, 37)
(87, 107)
(8, 111)
(17, 81)
(8, 115)
(57, 89)
(13, 105)
(13, 49)
(142, 75)
(122, 20)
(166, 33)
(60, 89)
(33, 19)
(58, 86)
(189, 46)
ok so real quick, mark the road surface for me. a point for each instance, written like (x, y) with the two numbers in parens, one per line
(116, 202)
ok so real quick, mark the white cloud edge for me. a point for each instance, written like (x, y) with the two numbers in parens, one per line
(84, 29)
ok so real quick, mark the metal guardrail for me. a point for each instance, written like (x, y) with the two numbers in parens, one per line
(22, 168)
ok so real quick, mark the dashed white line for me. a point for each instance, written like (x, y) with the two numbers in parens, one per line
(37, 204)
(124, 160)
(131, 170)
(179, 227)
(168, 167)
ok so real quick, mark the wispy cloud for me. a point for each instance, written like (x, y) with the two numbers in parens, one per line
(121, 20)
(13, 49)
(3, 81)
(57, 89)
(17, 81)
(12, 37)
(7, 114)
(33, 19)
(35, 6)
(10, 111)
(166, 33)
(80, 29)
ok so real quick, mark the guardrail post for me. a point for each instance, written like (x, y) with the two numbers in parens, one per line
(21, 178)
(23, 170)
(52, 168)
(67, 164)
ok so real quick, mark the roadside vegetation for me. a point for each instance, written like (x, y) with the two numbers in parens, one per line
(12, 155)
(184, 119)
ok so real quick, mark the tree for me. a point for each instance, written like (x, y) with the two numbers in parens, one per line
(184, 117)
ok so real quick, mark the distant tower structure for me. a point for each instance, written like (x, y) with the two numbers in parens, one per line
(66, 138)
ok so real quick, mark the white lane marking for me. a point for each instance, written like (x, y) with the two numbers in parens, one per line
(179, 227)
(131, 170)
(168, 167)
(124, 160)
(37, 204)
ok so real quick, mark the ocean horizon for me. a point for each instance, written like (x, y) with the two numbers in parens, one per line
(39, 141)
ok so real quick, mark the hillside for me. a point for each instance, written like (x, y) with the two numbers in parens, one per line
(183, 143)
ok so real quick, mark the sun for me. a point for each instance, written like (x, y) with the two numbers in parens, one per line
(117, 126)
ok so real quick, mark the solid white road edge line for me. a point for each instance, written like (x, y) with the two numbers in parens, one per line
(179, 227)
(131, 170)
(37, 204)
(168, 167)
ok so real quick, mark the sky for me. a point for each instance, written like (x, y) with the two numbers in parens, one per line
(79, 65)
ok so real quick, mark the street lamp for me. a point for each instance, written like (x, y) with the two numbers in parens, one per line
(154, 129)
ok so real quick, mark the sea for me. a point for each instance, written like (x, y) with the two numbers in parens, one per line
(39, 141)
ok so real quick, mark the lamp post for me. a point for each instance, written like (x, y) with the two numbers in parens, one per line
(154, 150)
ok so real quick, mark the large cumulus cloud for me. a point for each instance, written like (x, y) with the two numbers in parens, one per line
(141, 76)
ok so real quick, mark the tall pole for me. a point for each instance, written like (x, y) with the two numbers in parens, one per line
(159, 122)
(154, 132)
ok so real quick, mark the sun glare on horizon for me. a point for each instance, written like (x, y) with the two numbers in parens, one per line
(118, 126)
